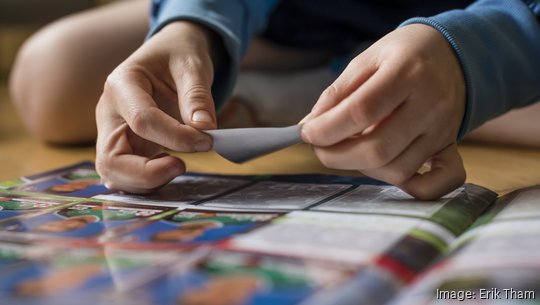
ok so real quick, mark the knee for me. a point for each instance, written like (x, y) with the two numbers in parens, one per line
(43, 85)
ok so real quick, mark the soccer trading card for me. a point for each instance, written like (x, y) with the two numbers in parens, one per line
(15, 205)
(369, 286)
(244, 279)
(356, 239)
(11, 184)
(500, 257)
(497, 285)
(83, 275)
(111, 211)
(45, 276)
(501, 243)
(8, 258)
(83, 170)
(80, 180)
(268, 195)
(511, 275)
(14, 255)
(64, 187)
(195, 227)
(83, 220)
(383, 199)
(521, 206)
(182, 190)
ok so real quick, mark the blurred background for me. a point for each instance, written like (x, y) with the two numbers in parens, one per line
(18, 20)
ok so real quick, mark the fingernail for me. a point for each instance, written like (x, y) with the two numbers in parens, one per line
(202, 116)
(203, 145)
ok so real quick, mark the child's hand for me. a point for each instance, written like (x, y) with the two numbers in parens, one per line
(159, 97)
(397, 106)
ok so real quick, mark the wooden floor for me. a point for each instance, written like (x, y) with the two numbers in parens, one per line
(501, 169)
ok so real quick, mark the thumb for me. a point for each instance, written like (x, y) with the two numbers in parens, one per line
(193, 85)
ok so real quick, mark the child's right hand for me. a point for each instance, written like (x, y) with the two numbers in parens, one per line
(160, 97)
(397, 106)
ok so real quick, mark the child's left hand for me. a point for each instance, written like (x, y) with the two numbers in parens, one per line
(397, 106)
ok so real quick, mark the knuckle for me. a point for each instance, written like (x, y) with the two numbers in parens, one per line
(137, 120)
(361, 112)
(192, 63)
(330, 92)
(377, 155)
(116, 78)
(415, 68)
(112, 80)
(123, 74)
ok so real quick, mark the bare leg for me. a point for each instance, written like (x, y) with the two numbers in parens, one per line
(59, 73)
(518, 127)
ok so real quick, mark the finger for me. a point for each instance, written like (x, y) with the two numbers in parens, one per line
(357, 72)
(395, 172)
(407, 164)
(120, 168)
(193, 80)
(116, 137)
(140, 175)
(445, 175)
(137, 107)
(378, 147)
(369, 104)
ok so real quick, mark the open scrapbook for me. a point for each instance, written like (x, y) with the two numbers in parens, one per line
(293, 239)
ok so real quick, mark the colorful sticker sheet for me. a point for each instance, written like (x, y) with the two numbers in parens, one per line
(497, 261)
(209, 239)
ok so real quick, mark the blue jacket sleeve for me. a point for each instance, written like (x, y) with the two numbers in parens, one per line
(235, 21)
(498, 45)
